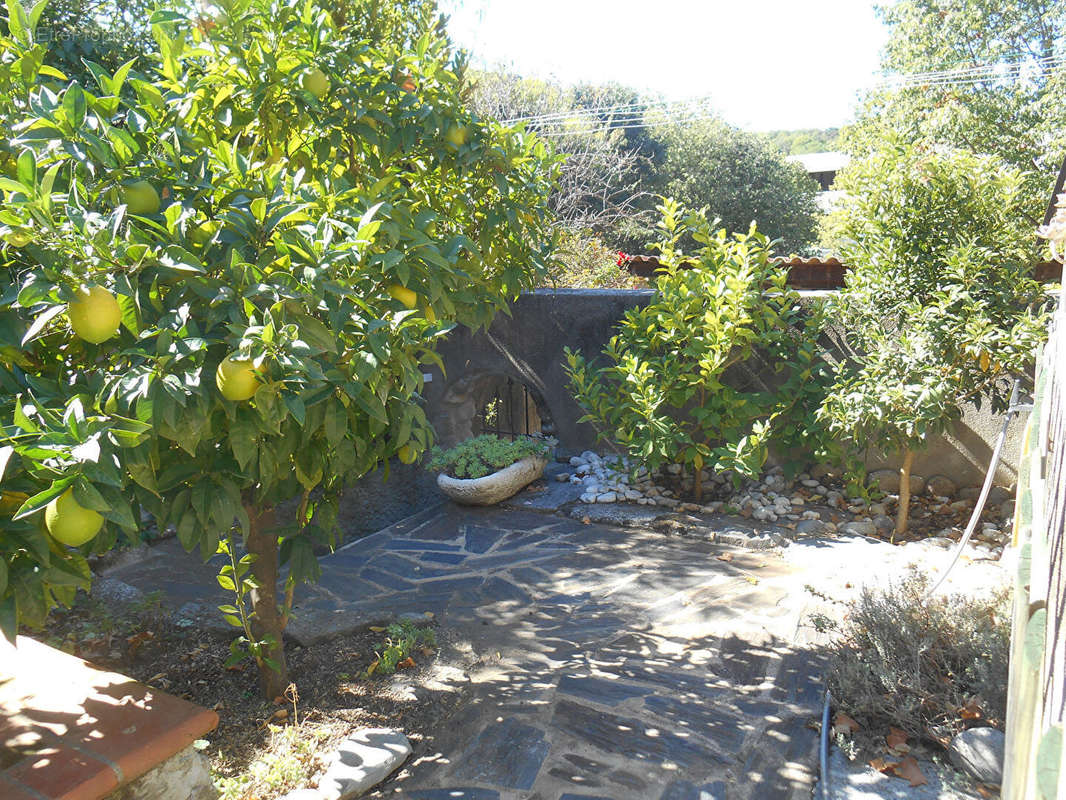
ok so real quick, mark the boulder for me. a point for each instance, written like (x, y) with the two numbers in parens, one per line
(979, 753)
(362, 761)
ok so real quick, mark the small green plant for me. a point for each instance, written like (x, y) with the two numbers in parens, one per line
(721, 362)
(401, 640)
(483, 455)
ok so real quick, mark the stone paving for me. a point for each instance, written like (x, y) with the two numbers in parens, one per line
(606, 662)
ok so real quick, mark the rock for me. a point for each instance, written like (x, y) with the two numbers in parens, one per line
(884, 523)
(563, 477)
(859, 527)
(811, 527)
(941, 486)
(961, 505)
(362, 761)
(940, 541)
(607, 497)
(114, 591)
(674, 469)
(998, 495)
(1006, 509)
(887, 480)
(979, 753)
(577, 461)
(878, 509)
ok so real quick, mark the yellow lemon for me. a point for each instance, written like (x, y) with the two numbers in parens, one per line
(315, 82)
(403, 294)
(237, 379)
(69, 522)
(457, 135)
(94, 314)
(406, 454)
(140, 198)
(429, 313)
(203, 233)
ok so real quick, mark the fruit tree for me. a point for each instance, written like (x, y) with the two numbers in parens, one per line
(221, 279)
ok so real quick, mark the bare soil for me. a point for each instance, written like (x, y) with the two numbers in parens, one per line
(333, 695)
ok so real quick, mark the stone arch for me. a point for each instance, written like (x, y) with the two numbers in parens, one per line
(459, 413)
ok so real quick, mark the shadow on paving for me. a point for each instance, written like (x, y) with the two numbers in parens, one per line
(604, 663)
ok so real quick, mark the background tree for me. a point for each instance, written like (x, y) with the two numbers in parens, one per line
(740, 178)
(939, 309)
(222, 276)
(1022, 122)
(805, 140)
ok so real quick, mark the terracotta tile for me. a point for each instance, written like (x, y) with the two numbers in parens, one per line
(47, 696)
(62, 773)
(13, 790)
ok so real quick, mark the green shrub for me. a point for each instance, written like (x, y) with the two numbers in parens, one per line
(913, 662)
(664, 394)
(483, 455)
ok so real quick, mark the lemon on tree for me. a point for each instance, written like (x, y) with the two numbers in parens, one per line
(403, 294)
(315, 82)
(203, 233)
(407, 454)
(237, 378)
(94, 314)
(140, 198)
(69, 522)
(457, 135)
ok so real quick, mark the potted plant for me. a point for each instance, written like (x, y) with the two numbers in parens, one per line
(485, 470)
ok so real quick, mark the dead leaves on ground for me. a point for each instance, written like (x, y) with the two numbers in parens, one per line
(904, 766)
(842, 723)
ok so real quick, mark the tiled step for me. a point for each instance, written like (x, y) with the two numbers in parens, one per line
(72, 731)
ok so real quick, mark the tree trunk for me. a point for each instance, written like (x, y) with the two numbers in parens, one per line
(904, 494)
(697, 483)
(266, 621)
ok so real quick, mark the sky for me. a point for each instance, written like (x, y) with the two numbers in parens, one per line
(766, 64)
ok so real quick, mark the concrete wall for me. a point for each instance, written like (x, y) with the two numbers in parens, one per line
(528, 344)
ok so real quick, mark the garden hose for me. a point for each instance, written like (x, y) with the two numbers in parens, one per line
(1012, 409)
(823, 749)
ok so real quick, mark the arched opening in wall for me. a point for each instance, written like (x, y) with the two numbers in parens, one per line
(508, 408)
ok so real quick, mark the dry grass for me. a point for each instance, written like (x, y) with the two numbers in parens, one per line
(929, 666)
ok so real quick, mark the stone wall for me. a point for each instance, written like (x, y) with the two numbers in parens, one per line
(528, 345)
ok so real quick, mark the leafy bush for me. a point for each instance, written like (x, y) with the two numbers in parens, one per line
(940, 305)
(583, 261)
(664, 394)
(483, 455)
(922, 664)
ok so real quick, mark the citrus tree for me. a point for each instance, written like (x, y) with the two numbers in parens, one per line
(718, 365)
(940, 308)
(222, 277)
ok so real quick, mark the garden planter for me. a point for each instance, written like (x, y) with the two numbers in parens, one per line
(494, 488)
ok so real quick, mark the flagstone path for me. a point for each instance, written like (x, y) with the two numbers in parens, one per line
(606, 662)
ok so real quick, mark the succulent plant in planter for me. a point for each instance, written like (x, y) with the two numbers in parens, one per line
(485, 470)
